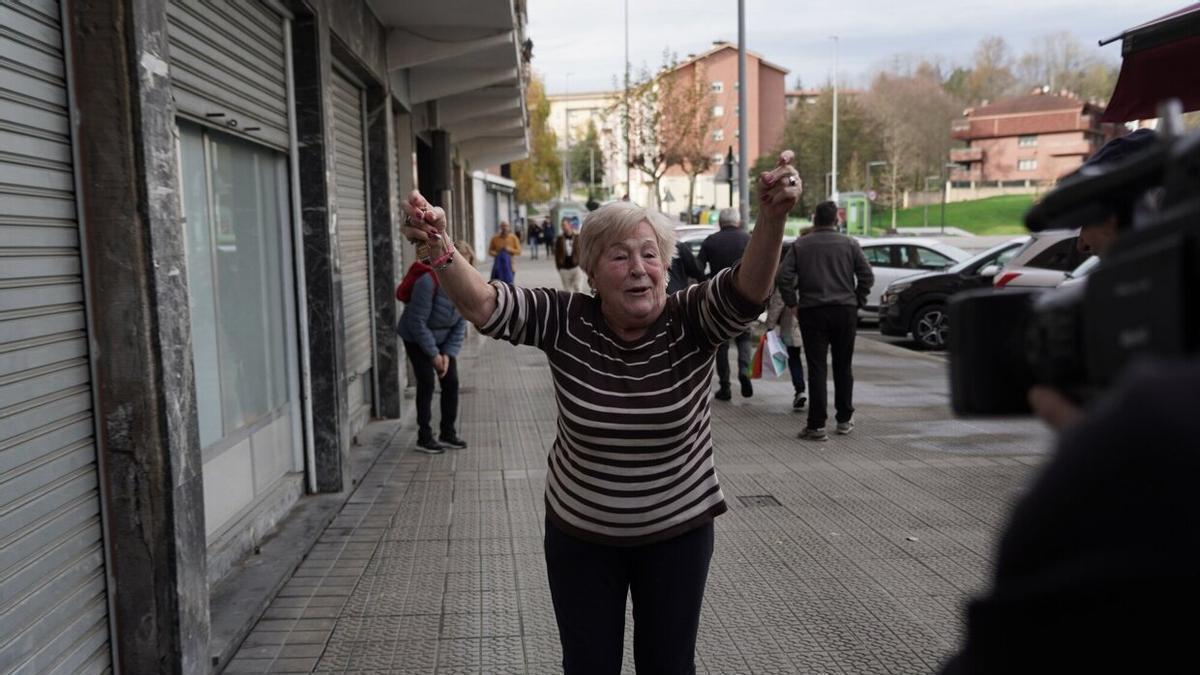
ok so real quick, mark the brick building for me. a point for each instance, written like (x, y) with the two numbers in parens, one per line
(764, 124)
(1032, 140)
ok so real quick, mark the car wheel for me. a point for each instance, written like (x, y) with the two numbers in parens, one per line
(929, 327)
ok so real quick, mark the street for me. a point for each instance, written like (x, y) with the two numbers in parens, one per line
(851, 556)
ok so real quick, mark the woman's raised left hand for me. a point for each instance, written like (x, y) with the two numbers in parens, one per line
(779, 189)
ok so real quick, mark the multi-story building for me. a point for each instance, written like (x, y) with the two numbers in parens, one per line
(795, 97)
(199, 246)
(1028, 140)
(766, 115)
(571, 113)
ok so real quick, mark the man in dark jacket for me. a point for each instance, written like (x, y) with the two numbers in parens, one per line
(684, 270)
(719, 251)
(825, 278)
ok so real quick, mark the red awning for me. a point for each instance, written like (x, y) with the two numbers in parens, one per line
(1159, 62)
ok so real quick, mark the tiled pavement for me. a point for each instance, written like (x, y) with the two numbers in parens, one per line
(435, 564)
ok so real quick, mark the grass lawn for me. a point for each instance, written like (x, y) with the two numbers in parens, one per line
(996, 215)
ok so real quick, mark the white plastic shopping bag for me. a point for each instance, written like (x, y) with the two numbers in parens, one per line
(777, 363)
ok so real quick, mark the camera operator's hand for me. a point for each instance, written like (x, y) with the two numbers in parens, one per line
(1056, 410)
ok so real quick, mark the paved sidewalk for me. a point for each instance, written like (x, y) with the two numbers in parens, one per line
(851, 556)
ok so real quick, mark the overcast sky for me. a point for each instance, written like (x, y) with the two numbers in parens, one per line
(585, 38)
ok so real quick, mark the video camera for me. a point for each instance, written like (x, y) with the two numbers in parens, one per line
(1142, 300)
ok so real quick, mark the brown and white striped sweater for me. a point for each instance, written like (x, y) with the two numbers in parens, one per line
(633, 460)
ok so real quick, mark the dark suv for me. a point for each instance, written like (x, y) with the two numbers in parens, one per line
(917, 304)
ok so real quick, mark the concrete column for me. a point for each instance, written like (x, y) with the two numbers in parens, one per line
(327, 356)
(406, 179)
(386, 269)
(442, 178)
(134, 247)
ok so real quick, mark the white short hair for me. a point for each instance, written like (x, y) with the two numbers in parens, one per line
(616, 221)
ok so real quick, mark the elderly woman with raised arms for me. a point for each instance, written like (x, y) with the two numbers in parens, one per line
(631, 488)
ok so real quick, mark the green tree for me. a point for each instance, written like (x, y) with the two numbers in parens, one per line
(688, 124)
(587, 159)
(1060, 62)
(808, 132)
(990, 76)
(912, 115)
(539, 177)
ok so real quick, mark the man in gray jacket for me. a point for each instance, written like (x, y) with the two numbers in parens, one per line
(825, 278)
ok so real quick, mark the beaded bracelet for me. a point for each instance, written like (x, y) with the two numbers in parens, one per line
(443, 261)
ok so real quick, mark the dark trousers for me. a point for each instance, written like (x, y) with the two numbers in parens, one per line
(588, 585)
(825, 329)
(745, 347)
(427, 378)
(796, 368)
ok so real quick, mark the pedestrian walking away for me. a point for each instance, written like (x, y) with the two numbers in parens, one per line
(720, 251)
(573, 279)
(824, 278)
(549, 235)
(534, 238)
(433, 331)
(684, 270)
(631, 368)
(778, 317)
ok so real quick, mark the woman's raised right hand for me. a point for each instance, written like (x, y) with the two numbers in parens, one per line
(422, 219)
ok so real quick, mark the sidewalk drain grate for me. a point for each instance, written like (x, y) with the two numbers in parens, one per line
(759, 500)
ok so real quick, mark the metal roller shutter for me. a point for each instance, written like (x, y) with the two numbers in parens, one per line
(53, 599)
(351, 181)
(228, 66)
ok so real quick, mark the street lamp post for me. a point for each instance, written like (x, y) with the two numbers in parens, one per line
(743, 138)
(567, 133)
(628, 149)
(833, 192)
(947, 165)
(731, 167)
(926, 200)
(870, 199)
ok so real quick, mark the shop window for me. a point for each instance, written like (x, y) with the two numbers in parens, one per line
(234, 203)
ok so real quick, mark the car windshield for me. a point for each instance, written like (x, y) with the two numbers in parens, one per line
(985, 257)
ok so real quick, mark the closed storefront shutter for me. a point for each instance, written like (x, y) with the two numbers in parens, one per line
(228, 67)
(53, 601)
(351, 180)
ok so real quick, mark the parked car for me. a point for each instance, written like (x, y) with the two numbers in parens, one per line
(917, 305)
(1043, 262)
(894, 258)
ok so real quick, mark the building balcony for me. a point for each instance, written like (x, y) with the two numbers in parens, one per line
(966, 155)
